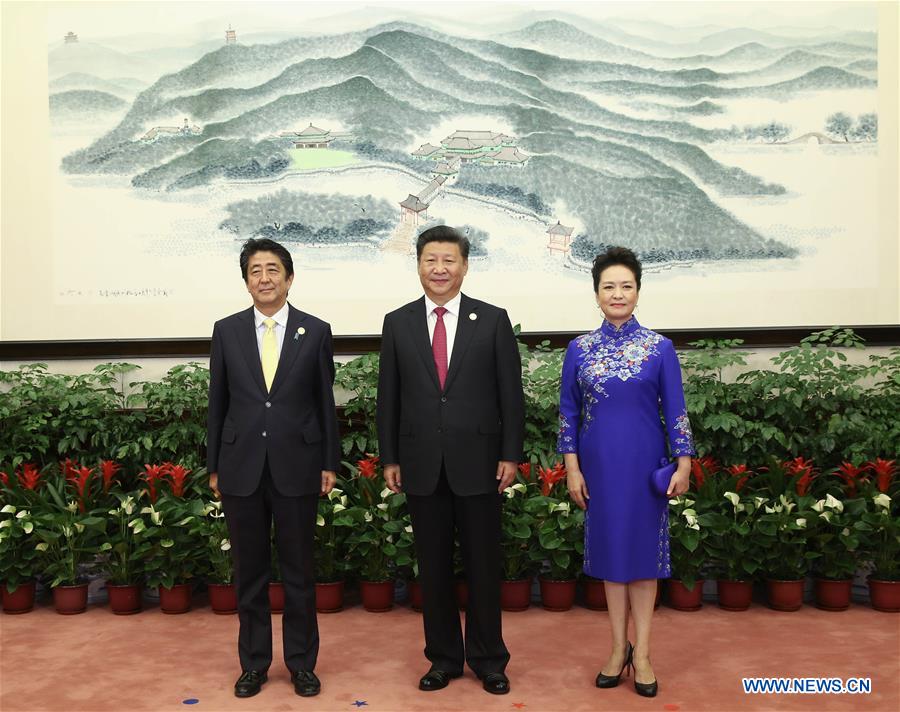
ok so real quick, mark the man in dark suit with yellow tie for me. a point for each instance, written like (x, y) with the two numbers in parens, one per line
(273, 448)
(450, 428)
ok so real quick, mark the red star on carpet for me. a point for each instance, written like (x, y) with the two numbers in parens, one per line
(518, 705)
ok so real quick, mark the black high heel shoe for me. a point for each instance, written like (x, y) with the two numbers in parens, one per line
(606, 681)
(646, 689)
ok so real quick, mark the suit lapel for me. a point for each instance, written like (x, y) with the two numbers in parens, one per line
(418, 322)
(250, 347)
(465, 329)
(290, 347)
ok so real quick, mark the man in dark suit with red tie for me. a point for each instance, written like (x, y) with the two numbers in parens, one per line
(450, 428)
(273, 448)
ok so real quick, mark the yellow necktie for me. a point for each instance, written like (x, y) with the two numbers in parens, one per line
(269, 353)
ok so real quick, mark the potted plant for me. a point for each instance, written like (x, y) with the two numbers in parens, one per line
(329, 553)
(516, 535)
(406, 564)
(220, 572)
(559, 545)
(18, 559)
(21, 498)
(881, 547)
(378, 521)
(122, 555)
(736, 557)
(68, 541)
(783, 532)
(177, 553)
(687, 554)
(836, 544)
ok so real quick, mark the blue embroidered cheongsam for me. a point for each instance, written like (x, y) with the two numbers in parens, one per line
(615, 382)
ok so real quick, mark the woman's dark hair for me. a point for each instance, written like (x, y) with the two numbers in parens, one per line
(616, 256)
(252, 246)
(443, 233)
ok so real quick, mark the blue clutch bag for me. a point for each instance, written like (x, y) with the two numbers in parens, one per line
(659, 480)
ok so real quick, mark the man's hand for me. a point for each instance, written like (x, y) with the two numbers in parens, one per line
(328, 480)
(392, 478)
(214, 484)
(506, 473)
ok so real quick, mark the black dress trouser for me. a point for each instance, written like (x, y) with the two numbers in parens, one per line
(476, 520)
(249, 522)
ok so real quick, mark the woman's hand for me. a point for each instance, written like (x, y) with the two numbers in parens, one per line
(681, 478)
(577, 487)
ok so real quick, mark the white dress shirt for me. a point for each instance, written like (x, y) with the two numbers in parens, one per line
(451, 319)
(280, 317)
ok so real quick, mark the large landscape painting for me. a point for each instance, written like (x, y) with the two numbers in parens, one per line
(739, 158)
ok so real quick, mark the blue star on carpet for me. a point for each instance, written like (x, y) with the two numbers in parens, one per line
(361, 703)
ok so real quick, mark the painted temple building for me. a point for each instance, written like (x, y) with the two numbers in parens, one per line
(482, 147)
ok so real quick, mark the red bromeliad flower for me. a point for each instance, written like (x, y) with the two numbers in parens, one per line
(850, 473)
(701, 467)
(29, 477)
(884, 472)
(803, 472)
(152, 475)
(4, 478)
(742, 473)
(81, 481)
(525, 469)
(108, 469)
(69, 468)
(177, 475)
(368, 468)
(549, 476)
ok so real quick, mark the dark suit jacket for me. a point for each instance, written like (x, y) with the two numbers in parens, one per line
(476, 421)
(295, 424)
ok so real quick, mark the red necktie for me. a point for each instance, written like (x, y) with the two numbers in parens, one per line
(439, 345)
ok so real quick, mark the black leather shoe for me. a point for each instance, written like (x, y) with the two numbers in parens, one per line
(496, 683)
(306, 684)
(250, 683)
(606, 681)
(436, 680)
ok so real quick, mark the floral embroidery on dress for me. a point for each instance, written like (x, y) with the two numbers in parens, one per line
(684, 441)
(565, 442)
(663, 561)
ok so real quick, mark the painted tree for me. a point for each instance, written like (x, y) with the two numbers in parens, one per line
(839, 124)
(773, 131)
(866, 128)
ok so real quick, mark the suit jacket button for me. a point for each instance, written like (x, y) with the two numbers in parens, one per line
(443, 399)
(268, 405)
(264, 433)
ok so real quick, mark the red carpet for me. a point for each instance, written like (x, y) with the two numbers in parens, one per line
(152, 661)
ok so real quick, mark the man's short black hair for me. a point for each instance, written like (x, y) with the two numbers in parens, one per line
(443, 233)
(616, 256)
(264, 244)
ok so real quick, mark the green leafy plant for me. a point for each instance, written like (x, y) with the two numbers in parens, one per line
(518, 527)
(178, 553)
(559, 546)
(837, 537)
(18, 555)
(734, 554)
(127, 543)
(687, 539)
(359, 378)
(783, 531)
(213, 531)
(881, 536)
(332, 524)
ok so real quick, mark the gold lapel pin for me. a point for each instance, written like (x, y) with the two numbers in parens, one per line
(473, 316)
(300, 332)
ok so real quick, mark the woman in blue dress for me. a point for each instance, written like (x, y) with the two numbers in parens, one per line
(616, 381)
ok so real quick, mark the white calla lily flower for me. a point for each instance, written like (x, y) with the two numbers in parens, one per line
(834, 503)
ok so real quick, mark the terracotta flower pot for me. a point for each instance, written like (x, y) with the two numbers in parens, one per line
(885, 595)
(19, 601)
(734, 595)
(594, 594)
(833, 595)
(461, 591)
(69, 600)
(683, 600)
(515, 595)
(557, 595)
(785, 595)
(176, 599)
(222, 598)
(329, 597)
(276, 596)
(124, 599)
(377, 596)
(415, 595)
